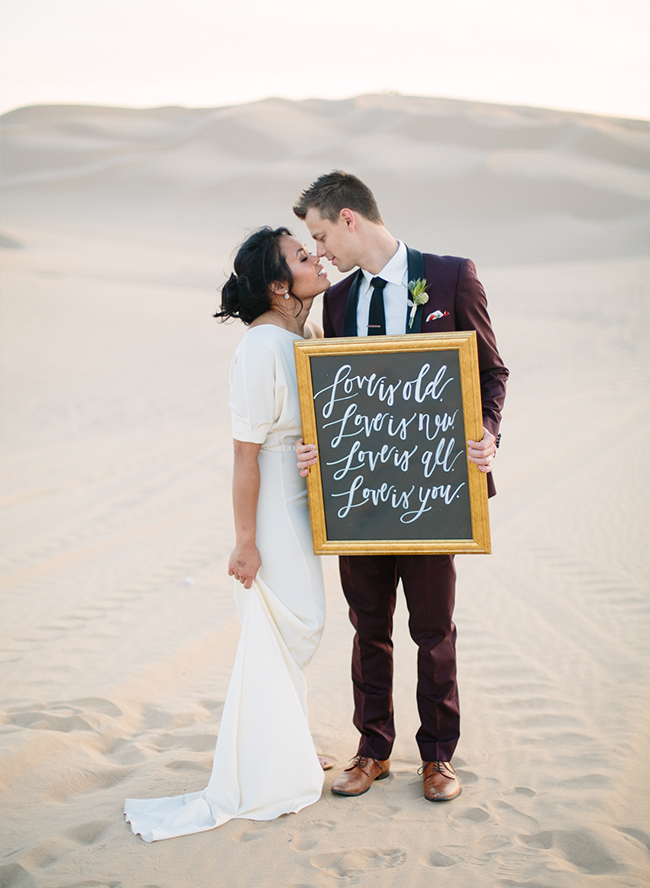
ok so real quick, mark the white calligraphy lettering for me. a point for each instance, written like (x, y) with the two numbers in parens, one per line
(442, 457)
(444, 492)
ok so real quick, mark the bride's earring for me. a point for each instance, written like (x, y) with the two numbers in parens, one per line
(286, 295)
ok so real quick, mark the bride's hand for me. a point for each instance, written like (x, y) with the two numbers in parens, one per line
(244, 564)
(307, 456)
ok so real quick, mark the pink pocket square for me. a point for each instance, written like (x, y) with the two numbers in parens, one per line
(435, 315)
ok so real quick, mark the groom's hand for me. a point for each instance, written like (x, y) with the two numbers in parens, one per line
(307, 456)
(483, 452)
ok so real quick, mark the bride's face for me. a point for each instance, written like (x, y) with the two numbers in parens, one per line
(309, 279)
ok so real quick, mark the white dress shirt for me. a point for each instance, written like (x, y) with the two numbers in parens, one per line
(395, 273)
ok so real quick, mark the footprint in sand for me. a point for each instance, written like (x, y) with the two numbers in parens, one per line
(97, 704)
(348, 866)
(575, 846)
(83, 780)
(44, 855)
(520, 791)
(513, 817)
(382, 810)
(249, 835)
(303, 843)
(305, 840)
(78, 715)
(472, 815)
(478, 853)
(125, 752)
(89, 833)
(156, 719)
(443, 858)
(15, 876)
(48, 853)
(46, 721)
(212, 705)
(183, 765)
(195, 742)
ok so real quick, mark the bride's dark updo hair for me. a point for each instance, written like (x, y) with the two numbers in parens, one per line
(259, 263)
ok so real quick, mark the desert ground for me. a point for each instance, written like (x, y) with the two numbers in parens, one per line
(118, 622)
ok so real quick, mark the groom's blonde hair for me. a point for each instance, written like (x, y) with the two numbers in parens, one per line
(335, 191)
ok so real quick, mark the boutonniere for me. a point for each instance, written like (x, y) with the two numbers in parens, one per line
(417, 290)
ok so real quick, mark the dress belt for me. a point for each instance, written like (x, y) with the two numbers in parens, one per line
(278, 448)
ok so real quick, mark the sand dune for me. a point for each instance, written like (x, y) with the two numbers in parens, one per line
(500, 183)
(118, 625)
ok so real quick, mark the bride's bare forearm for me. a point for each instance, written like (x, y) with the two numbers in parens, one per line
(245, 560)
(245, 491)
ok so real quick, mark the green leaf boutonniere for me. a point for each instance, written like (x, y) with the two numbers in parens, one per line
(417, 290)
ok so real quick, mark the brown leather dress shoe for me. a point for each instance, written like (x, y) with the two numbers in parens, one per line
(358, 778)
(440, 781)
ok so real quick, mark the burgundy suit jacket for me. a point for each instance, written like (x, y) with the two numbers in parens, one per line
(454, 288)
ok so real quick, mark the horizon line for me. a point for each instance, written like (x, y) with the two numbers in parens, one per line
(386, 93)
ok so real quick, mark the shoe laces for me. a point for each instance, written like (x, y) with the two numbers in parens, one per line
(361, 762)
(442, 767)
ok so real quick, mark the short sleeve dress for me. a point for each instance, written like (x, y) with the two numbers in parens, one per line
(265, 763)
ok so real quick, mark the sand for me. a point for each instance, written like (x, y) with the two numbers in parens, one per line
(118, 624)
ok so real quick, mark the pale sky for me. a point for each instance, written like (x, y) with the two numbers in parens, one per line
(583, 55)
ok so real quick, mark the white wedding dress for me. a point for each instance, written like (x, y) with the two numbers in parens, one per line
(265, 763)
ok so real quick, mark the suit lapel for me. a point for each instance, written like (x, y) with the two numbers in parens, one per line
(350, 328)
(415, 271)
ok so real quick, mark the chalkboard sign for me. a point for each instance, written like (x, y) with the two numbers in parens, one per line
(391, 416)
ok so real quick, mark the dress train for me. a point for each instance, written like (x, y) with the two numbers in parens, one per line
(265, 763)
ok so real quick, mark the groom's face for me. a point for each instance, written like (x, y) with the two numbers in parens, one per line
(334, 240)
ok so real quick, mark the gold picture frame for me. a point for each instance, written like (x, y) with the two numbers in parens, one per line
(340, 532)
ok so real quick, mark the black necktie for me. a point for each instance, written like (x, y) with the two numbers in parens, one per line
(376, 316)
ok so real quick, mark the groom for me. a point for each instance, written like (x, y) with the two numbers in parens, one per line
(342, 216)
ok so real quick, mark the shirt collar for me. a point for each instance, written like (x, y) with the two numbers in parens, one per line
(395, 270)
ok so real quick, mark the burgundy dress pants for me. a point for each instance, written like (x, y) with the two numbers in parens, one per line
(370, 583)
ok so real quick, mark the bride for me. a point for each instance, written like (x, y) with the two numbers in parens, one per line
(265, 763)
